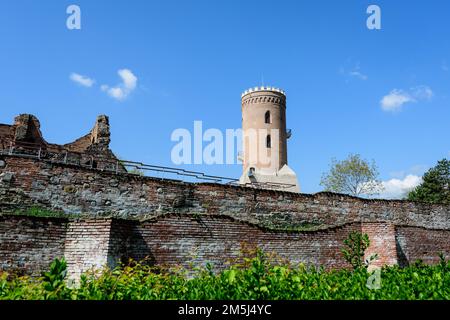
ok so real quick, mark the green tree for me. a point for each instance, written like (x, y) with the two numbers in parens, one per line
(435, 187)
(354, 176)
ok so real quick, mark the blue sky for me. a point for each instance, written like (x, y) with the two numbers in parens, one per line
(192, 59)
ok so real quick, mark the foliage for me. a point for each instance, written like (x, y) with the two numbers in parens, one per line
(53, 281)
(37, 211)
(356, 244)
(50, 286)
(353, 176)
(255, 277)
(435, 187)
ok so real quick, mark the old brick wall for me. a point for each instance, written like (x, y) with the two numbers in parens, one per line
(78, 190)
(415, 243)
(382, 243)
(29, 244)
(172, 240)
(94, 243)
(186, 240)
(173, 222)
(126, 242)
(87, 245)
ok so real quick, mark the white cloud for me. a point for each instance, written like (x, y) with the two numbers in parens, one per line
(358, 74)
(418, 169)
(395, 100)
(82, 80)
(122, 90)
(399, 188)
(422, 92)
(354, 72)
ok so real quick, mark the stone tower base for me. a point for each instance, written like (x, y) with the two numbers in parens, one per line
(283, 180)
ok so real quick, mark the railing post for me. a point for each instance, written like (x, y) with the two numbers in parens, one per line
(117, 167)
(10, 148)
(39, 154)
(65, 158)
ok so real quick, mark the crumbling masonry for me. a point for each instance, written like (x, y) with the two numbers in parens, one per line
(111, 215)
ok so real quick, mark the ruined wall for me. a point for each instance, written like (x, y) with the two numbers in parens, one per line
(76, 190)
(186, 240)
(86, 246)
(172, 222)
(415, 243)
(24, 136)
(113, 216)
(382, 243)
(28, 245)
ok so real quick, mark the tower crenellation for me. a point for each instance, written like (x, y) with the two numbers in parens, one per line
(263, 88)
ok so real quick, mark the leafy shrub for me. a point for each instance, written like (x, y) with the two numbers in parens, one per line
(53, 281)
(356, 246)
(256, 277)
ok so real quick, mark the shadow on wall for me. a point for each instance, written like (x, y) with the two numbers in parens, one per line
(126, 243)
(401, 256)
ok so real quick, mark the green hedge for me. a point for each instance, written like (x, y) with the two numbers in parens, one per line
(257, 277)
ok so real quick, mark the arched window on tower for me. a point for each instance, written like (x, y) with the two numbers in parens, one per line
(267, 117)
(268, 141)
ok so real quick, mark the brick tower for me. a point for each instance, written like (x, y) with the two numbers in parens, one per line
(265, 137)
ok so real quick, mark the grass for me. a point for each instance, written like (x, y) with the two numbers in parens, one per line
(36, 211)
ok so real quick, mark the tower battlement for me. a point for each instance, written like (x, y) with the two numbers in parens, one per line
(263, 88)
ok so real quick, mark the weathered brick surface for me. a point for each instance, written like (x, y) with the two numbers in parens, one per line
(185, 223)
(382, 243)
(87, 245)
(78, 190)
(421, 244)
(29, 245)
(186, 240)
(95, 243)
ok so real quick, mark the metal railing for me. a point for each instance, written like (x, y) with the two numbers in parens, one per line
(101, 163)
